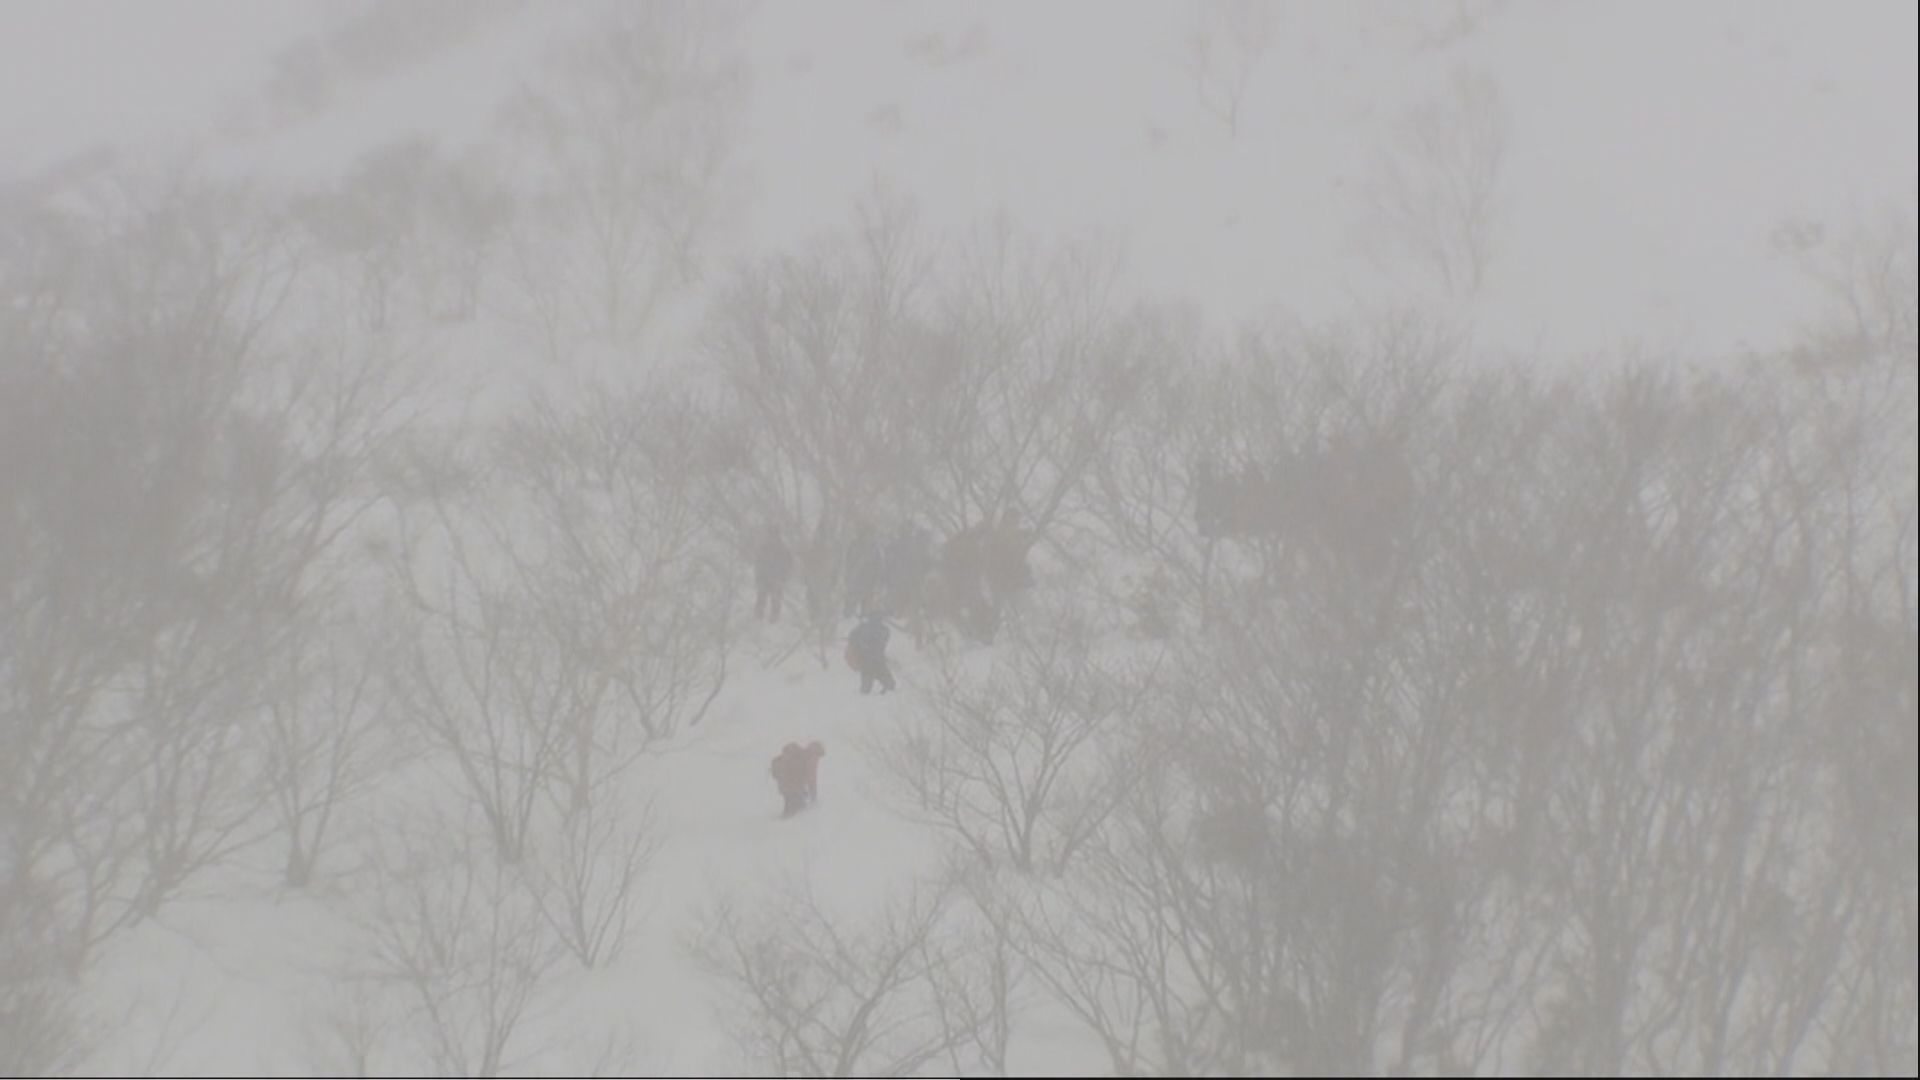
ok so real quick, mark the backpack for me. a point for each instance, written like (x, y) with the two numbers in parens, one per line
(790, 768)
(867, 639)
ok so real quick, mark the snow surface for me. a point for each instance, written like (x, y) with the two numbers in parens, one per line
(230, 983)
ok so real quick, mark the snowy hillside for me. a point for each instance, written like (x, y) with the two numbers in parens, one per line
(1397, 523)
(233, 984)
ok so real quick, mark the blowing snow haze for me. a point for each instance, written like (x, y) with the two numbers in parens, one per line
(734, 538)
(1650, 150)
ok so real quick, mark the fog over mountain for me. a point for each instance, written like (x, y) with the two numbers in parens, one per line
(1201, 537)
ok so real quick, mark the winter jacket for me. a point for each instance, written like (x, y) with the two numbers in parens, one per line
(797, 769)
(868, 641)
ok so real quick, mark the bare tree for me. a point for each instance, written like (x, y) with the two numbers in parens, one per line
(198, 469)
(1037, 365)
(329, 736)
(1010, 765)
(1867, 271)
(1434, 195)
(628, 142)
(368, 225)
(637, 590)
(457, 939)
(1141, 492)
(980, 986)
(878, 388)
(589, 877)
(39, 1026)
(1287, 446)
(1530, 791)
(1225, 50)
(495, 698)
(811, 350)
(347, 1037)
(807, 345)
(410, 231)
(583, 615)
(805, 993)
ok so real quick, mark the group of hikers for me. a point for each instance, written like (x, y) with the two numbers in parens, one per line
(1336, 492)
(984, 571)
(796, 770)
(877, 574)
(972, 578)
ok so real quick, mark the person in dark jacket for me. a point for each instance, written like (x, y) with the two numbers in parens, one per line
(772, 563)
(867, 652)
(797, 774)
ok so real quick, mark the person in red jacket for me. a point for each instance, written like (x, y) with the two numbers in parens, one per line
(797, 772)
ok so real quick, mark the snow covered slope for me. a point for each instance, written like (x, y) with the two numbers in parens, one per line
(244, 978)
(1651, 156)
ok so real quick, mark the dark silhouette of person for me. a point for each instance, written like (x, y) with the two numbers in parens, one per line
(796, 771)
(867, 651)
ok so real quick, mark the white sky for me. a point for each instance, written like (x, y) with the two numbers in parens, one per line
(78, 72)
(1654, 144)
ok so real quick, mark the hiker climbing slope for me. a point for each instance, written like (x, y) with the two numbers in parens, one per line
(867, 652)
(797, 774)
